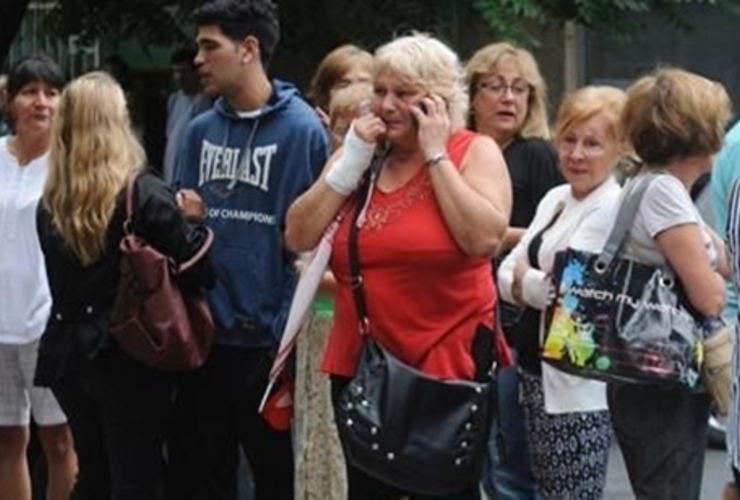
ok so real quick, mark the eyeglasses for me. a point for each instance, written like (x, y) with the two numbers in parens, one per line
(499, 87)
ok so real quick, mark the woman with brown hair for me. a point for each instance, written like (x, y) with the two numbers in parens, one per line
(508, 101)
(341, 80)
(675, 121)
(343, 66)
(319, 463)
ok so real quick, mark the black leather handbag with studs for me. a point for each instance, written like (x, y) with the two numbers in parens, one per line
(407, 428)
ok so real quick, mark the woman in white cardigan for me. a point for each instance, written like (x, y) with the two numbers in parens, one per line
(567, 421)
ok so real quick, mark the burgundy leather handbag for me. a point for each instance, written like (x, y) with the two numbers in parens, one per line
(153, 320)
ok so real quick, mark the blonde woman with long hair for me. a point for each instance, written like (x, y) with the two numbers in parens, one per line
(117, 407)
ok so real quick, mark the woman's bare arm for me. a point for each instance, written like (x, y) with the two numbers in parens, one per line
(684, 250)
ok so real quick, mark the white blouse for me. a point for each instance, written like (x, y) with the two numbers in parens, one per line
(583, 225)
(25, 300)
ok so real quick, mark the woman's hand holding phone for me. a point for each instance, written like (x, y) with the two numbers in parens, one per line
(434, 126)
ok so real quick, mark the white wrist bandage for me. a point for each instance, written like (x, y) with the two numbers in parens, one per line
(345, 174)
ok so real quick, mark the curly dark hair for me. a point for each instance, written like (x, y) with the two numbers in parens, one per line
(239, 19)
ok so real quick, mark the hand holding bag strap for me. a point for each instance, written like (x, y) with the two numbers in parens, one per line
(624, 221)
(128, 226)
(204, 248)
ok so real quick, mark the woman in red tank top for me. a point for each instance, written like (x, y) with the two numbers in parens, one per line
(437, 214)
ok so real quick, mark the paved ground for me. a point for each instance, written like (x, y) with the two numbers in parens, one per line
(716, 474)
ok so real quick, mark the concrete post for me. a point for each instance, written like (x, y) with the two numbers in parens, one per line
(573, 56)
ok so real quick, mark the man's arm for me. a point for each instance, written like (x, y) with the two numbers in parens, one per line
(185, 174)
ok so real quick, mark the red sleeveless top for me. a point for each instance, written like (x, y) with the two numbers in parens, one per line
(425, 297)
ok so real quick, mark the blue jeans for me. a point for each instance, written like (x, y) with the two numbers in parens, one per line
(508, 472)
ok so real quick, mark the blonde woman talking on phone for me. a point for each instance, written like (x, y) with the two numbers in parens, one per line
(437, 214)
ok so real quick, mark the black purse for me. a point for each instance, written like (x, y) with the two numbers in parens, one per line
(404, 427)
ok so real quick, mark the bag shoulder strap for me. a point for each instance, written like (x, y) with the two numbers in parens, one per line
(625, 219)
(533, 249)
(130, 195)
(128, 223)
(358, 289)
(363, 199)
(128, 227)
(204, 248)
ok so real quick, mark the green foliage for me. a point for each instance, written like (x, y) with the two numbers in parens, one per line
(368, 22)
(615, 16)
(150, 21)
(505, 17)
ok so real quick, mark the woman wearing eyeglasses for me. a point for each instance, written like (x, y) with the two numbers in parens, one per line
(508, 100)
(566, 417)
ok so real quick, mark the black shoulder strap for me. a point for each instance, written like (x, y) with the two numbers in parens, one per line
(128, 223)
(533, 249)
(363, 197)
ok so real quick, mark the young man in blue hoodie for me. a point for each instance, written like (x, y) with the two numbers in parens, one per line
(247, 158)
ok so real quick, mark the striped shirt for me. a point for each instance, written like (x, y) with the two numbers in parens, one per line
(733, 247)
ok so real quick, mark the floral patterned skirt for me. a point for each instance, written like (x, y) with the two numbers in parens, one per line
(569, 451)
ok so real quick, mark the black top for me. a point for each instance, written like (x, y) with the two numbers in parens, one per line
(526, 331)
(83, 295)
(534, 170)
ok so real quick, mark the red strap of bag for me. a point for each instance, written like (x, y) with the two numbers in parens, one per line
(128, 227)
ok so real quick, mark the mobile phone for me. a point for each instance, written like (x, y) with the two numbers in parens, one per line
(423, 107)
